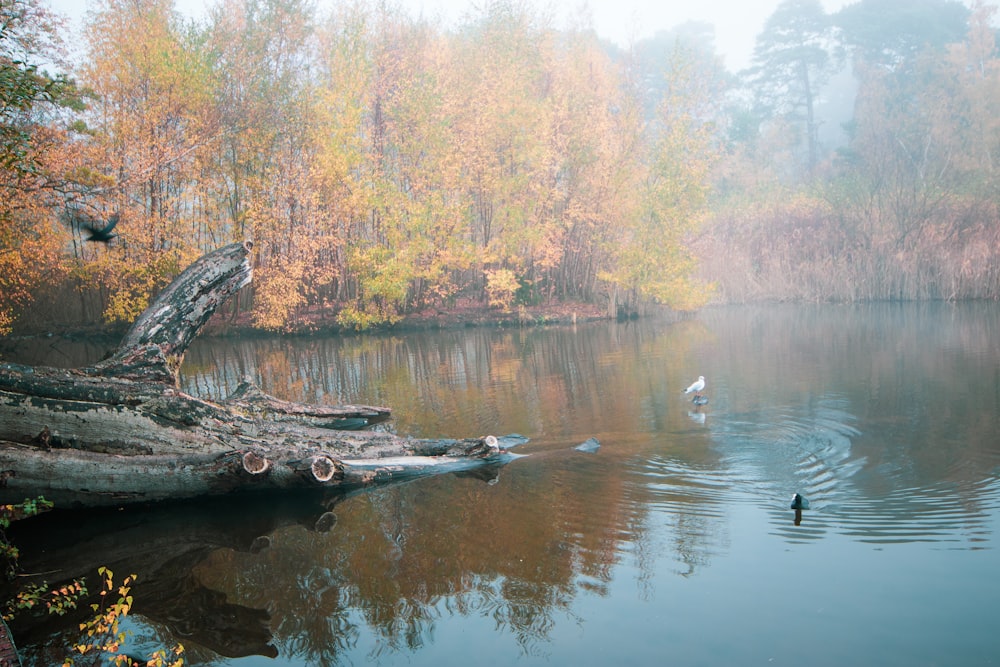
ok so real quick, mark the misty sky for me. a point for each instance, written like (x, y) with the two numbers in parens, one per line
(736, 22)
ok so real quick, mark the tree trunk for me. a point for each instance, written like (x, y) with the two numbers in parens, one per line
(122, 431)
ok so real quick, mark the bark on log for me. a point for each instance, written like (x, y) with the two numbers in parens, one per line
(122, 431)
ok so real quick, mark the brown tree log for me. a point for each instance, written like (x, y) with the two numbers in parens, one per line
(122, 431)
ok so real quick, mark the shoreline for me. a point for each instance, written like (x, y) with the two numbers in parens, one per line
(311, 324)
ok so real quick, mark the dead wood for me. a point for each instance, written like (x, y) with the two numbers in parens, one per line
(121, 431)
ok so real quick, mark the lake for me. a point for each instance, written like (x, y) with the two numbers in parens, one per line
(673, 543)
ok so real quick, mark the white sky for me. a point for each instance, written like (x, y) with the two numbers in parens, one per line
(737, 22)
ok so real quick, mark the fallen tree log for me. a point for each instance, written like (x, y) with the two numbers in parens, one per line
(121, 430)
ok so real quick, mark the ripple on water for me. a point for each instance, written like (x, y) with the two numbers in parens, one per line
(775, 453)
(826, 471)
(944, 512)
(767, 456)
(759, 461)
(824, 463)
(679, 487)
(763, 461)
(682, 510)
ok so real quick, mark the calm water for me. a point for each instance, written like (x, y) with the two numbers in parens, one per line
(672, 544)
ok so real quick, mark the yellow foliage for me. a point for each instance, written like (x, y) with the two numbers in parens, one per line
(501, 287)
(103, 630)
(131, 278)
(277, 295)
(377, 162)
(30, 251)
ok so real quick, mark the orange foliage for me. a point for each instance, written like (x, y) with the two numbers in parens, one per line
(383, 165)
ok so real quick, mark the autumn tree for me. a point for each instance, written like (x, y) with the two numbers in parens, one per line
(30, 98)
(340, 111)
(650, 55)
(264, 64)
(597, 133)
(969, 80)
(433, 235)
(149, 119)
(653, 262)
(381, 164)
(370, 62)
(500, 119)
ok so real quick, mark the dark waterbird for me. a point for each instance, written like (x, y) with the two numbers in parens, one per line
(799, 503)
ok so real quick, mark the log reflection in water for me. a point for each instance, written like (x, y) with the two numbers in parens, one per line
(406, 559)
(243, 575)
(162, 545)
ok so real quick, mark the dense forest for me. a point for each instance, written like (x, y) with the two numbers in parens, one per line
(385, 165)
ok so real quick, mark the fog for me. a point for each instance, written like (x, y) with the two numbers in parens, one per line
(623, 22)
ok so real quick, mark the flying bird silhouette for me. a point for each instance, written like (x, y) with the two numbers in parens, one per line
(101, 234)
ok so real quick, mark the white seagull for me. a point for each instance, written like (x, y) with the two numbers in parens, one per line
(697, 386)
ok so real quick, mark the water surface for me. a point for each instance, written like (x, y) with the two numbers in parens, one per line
(673, 543)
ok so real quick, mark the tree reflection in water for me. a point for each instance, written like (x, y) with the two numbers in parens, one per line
(401, 558)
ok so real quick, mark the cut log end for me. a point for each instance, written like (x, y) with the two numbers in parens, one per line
(323, 468)
(255, 464)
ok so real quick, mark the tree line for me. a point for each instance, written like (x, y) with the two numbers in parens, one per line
(905, 205)
(385, 165)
